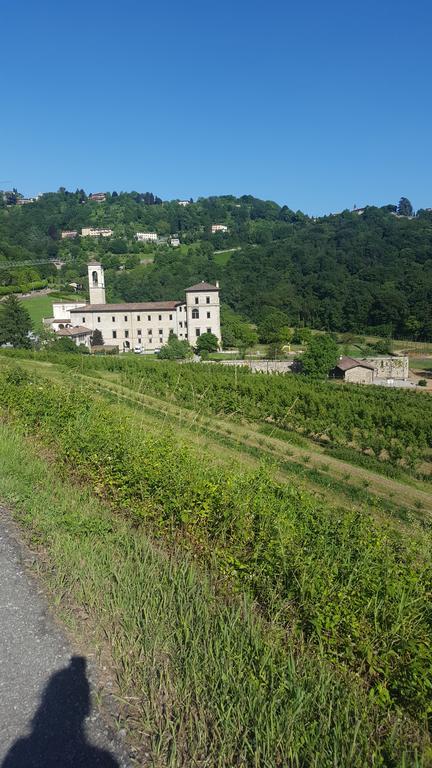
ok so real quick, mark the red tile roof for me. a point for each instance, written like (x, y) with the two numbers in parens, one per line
(346, 363)
(202, 287)
(146, 306)
(79, 330)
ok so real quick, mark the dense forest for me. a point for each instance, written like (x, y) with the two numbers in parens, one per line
(362, 270)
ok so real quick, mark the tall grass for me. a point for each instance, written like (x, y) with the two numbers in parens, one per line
(356, 592)
(206, 681)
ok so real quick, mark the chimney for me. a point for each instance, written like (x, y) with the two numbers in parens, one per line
(217, 283)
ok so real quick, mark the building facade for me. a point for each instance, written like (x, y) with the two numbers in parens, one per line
(145, 326)
(147, 237)
(96, 232)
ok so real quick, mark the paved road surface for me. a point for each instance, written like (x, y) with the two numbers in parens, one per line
(46, 720)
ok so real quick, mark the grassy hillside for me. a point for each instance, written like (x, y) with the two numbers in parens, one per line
(343, 594)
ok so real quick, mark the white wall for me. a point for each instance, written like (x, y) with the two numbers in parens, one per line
(207, 303)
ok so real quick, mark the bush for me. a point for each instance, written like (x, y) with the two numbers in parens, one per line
(422, 383)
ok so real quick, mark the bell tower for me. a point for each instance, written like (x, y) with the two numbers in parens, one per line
(96, 282)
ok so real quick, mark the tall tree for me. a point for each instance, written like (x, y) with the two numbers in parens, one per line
(97, 338)
(405, 208)
(15, 323)
(320, 357)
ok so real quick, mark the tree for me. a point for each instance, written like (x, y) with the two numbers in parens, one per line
(175, 349)
(320, 357)
(15, 323)
(65, 344)
(207, 342)
(236, 331)
(271, 325)
(405, 208)
(97, 338)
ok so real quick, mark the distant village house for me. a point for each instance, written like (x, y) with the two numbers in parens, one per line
(96, 232)
(219, 228)
(147, 237)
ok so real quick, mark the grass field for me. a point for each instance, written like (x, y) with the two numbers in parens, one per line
(39, 307)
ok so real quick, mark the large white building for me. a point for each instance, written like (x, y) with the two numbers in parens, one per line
(147, 237)
(146, 325)
(96, 232)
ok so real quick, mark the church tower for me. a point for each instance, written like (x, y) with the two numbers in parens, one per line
(96, 282)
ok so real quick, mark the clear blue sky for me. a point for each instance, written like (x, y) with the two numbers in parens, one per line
(319, 105)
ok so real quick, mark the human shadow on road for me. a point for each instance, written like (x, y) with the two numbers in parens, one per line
(58, 738)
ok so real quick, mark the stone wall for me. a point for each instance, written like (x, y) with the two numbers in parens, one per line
(359, 375)
(390, 367)
(262, 366)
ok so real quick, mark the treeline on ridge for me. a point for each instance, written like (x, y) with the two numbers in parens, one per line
(346, 272)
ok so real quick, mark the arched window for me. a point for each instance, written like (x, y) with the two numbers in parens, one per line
(195, 314)
(95, 277)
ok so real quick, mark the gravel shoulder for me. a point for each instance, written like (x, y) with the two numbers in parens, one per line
(46, 688)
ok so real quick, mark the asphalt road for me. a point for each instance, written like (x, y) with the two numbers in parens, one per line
(46, 715)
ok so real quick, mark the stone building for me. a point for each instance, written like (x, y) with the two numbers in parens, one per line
(144, 326)
(356, 371)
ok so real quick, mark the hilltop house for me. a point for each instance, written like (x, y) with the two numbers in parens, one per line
(96, 232)
(219, 228)
(99, 197)
(147, 237)
(143, 325)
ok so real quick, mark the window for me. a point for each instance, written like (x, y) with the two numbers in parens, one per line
(208, 315)
(139, 318)
(160, 340)
(207, 299)
(181, 323)
(139, 332)
(126, 334)
(170, 317)
(149, 331)
(95, 277)
(208, 330)
(98, 319)
(196, 299)
(83, 319)
(149, 317)
(160, 331)
(114, 334)
(180, 309)
(113, 319)
(195, 314)
(197, 332)
(160, 317)
(125, 318)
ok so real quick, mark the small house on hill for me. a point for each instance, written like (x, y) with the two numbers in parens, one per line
(357, 371)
